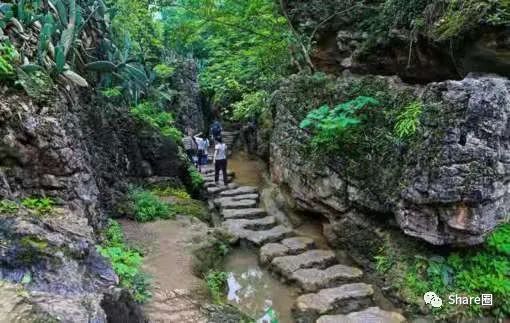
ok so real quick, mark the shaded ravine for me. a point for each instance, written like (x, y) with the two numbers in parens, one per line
(322, 285)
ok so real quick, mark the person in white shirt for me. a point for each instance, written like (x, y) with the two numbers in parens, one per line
(203, 146)
(220, 161)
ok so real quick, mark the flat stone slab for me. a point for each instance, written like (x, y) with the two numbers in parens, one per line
(286, 265)
(274, 235)
(218, 189)
(253, 213)
(270, 251)
(313, 279)
(237, 227)
(370, 315)
(298, 244)
(342, 299)
(239, 191)
(241, 204)
(219, 201)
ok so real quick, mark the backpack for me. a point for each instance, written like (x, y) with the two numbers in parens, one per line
(216, 129)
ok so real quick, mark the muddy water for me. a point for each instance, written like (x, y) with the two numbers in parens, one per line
(253, 289)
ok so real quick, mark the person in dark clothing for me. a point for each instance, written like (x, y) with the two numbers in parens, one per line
(216, 130)
(220, 161)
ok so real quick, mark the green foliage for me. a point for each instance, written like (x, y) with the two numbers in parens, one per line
(37, 84)
(408, 120)
(8, 206)
(197, 181)
(216, 284)
(147, 206)
(125, 261)
(163, 121)
(332, 128)
(164, 71)
(172, 191)
(112, 92)
(252, 106)
(9, 57)
(242, 46)
(470, 273)
(40, 206)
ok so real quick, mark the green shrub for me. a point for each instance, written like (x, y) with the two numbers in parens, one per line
(148, 207)
(9, 57)
(164, 71)
(9, 207)
(216, 284)
(172, 191)
(37, 84)
(251, 106)
(125, 261)
(112, 92)
(470, 273)
(409, 120)
(197, 181)
(332, 129)
(39, 205)
(160, 120)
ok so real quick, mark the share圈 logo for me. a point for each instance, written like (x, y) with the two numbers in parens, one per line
(432, 299)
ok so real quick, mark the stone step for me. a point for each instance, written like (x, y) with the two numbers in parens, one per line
(287, 265)
(210, 180)
(290, 246)
(243, 214)
(262, 224)
(274, 235)
(241, 204)
(239, 191)
(218, 189)
(219, 201)
(209, 172)
(339, 300)
(259, 238)
(370, 315)
(313, 279)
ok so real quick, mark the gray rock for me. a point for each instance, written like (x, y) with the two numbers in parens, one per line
(235, 227)
(251, 213)
(287, 265)
(241, 204)
(222, 200)
(343, 299)
(274, 235)
(313, 279)
(239, 191)
(370, 315)
(270, 251)
(298, 244)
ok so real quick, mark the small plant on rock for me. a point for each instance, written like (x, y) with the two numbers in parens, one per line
(40, 206)
(216, 284)
(125, 261)
(8, 206)
(408, 120)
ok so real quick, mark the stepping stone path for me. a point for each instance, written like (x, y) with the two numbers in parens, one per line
(331, 292)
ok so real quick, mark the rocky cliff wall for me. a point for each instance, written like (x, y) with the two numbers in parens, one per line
(84, 153)
(448, 185)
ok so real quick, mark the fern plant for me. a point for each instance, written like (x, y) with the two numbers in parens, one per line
(8, 58)
(331, 128)
(408, 120)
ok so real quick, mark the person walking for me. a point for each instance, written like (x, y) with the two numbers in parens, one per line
(202, 146)
(216, 130)
(189, 144)
(220, 161)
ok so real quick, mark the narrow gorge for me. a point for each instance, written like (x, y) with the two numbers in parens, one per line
(367, 146)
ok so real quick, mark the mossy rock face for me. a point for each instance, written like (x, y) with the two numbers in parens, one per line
(444, 184)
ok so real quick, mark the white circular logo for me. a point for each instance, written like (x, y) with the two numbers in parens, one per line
(432, 299)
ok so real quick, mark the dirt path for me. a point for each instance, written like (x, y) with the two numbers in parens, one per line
(177, 293)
